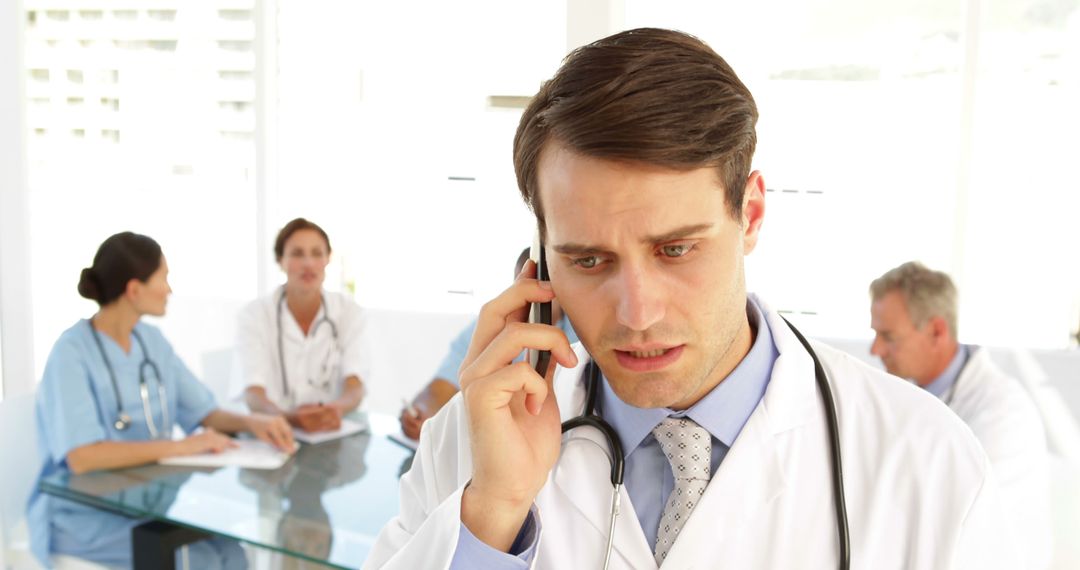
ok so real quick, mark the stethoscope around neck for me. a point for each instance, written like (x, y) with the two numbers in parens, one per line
(952, 389)
(123, 421)
(311, 332)
(591, 418)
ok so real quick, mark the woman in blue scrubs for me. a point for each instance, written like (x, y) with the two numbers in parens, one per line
(112, 391)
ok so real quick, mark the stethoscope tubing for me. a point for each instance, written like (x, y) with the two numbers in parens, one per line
(843, 532)
(314, 329)
(952, 389)
(123, 421)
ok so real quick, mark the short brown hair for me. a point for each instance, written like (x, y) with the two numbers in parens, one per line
(290, 229)
(927, 293)
(650, 96)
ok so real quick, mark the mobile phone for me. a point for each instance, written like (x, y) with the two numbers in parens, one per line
(539, 312)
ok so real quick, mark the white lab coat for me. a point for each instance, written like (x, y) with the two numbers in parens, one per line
(918, 486)
(305, 355)
(1006, 422)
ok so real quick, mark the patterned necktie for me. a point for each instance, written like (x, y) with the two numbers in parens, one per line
(688, 448)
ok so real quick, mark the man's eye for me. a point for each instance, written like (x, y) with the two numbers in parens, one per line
(677, 250)
(587, 262)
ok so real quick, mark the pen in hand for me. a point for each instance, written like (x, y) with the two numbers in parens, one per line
(409, 408)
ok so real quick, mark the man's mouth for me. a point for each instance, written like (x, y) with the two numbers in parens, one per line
(647, 353)
(648, 358)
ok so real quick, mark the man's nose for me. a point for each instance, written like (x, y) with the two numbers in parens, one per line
(877, 348)
(641, 301)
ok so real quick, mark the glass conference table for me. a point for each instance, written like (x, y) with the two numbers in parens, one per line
(326, 504)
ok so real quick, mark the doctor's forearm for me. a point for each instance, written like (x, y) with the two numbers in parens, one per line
(433, 397)
(226, 422)
(351, 395)
(257, 402)
(118, 454)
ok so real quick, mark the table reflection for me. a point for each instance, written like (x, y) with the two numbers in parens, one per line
(294, 494)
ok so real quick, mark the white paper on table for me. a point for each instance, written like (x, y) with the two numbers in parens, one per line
(348, 427)
(400, 438)
(249, 453)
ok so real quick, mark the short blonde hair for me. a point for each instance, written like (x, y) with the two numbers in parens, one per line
(926, 292)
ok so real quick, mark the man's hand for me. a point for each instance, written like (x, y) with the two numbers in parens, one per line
(273, 430)
(514, 427)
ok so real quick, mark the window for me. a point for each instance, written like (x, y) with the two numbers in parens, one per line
(161, 15)
(398, 152)
(155, 164)
(906, 131)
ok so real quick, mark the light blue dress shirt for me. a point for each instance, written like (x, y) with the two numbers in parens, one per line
(459, 347)
(941, 385)
(76, 406)
(722, 412)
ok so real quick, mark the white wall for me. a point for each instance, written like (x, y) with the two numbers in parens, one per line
(16, 320)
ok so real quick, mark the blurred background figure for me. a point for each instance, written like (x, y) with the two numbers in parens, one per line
(301, 347)
(913, 313)
(112, 393)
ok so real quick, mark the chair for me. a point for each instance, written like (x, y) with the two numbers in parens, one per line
(18, 453)
(19, 457)
(220, 369)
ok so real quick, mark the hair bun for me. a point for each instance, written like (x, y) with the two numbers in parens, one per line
(88, 285)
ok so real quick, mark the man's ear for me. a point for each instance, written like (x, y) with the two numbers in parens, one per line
(753, 210)
(939, 329)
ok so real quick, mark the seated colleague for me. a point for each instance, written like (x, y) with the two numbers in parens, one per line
(636, 161)
(112, 391)
(445, 384)
(301, 348)
(914, 315)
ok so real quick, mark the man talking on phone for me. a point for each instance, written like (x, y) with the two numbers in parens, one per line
(636, 160)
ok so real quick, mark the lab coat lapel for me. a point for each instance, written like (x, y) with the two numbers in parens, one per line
(751, 477)
(582, 477)
(967, 381)
(748, 481)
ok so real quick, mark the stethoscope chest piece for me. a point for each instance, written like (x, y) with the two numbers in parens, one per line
(123, 421)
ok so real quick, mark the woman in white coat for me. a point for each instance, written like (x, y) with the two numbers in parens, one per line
(301, 348)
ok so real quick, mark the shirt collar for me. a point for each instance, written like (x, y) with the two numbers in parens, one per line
(940, 385)
(285, 315)
(722, 412)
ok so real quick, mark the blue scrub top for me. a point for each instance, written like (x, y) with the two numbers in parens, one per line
(76, 406)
